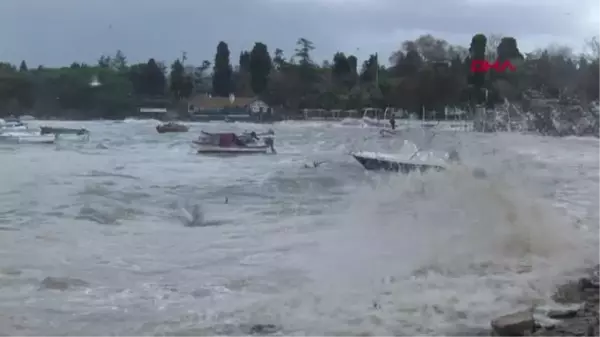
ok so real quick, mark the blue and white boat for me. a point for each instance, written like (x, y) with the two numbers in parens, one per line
(415, 160)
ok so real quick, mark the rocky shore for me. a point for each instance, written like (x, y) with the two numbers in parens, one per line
(578, 317)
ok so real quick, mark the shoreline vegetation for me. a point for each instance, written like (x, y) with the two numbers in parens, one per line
(426, 74)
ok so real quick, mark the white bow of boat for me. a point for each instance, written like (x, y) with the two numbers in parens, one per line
(422, 158)
(408, 156)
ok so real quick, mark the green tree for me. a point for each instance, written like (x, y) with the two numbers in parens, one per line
(222, 71)
(369, 70)
(341, 67)
(245, 61)
(23, 66)
(260, 67)
(279, 59)
(181, 85)
(104, 61)
(477, 79)
(155, 79)
(15, 91)
(201, 83)
(119, 61)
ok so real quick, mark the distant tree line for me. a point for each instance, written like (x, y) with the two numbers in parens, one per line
(427, 73)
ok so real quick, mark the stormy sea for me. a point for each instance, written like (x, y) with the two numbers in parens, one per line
(133, 233)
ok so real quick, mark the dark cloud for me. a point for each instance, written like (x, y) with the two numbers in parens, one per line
(60, 31)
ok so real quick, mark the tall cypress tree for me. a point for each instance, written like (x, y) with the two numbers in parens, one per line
(260, 67)
(476, 80)
(222, 71)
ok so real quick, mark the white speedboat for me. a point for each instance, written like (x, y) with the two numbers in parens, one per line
(416, 161)
(25, 137)
(12, 125)
(230, 143)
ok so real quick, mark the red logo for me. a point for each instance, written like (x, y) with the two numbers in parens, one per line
(479, 66)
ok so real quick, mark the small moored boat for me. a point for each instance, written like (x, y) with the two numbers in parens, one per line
(25, 137)
(230, 143)
(12, 124)
(69, 134)
(171, 127)
(47, 130)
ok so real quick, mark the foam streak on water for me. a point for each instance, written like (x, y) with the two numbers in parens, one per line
(327, 250)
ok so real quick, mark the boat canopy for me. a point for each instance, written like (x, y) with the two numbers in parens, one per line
(227, 139)
(223, 139)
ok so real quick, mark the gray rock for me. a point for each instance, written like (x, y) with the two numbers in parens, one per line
(516, 324)
(588, 283)
(563, 313)
(263, 329)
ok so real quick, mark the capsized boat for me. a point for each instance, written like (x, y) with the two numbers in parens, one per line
(230, 143)
(417, 161)
(171, 127)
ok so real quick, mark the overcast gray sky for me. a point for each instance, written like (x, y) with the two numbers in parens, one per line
(58, 32)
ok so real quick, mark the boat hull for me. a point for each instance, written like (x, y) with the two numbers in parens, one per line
(234, 150)
(14, 128)
(46, 130)
(26, 139)
(378, 164)
(172, 128)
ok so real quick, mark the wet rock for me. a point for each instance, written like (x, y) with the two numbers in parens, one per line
(62, 283)
(516, 324)
(567, 293)
(591, 331)
(263, 329)
(564, 313)
(588, 283)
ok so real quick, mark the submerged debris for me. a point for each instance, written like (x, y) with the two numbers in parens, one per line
(315, 164)
(193, 219)
(62, 283)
